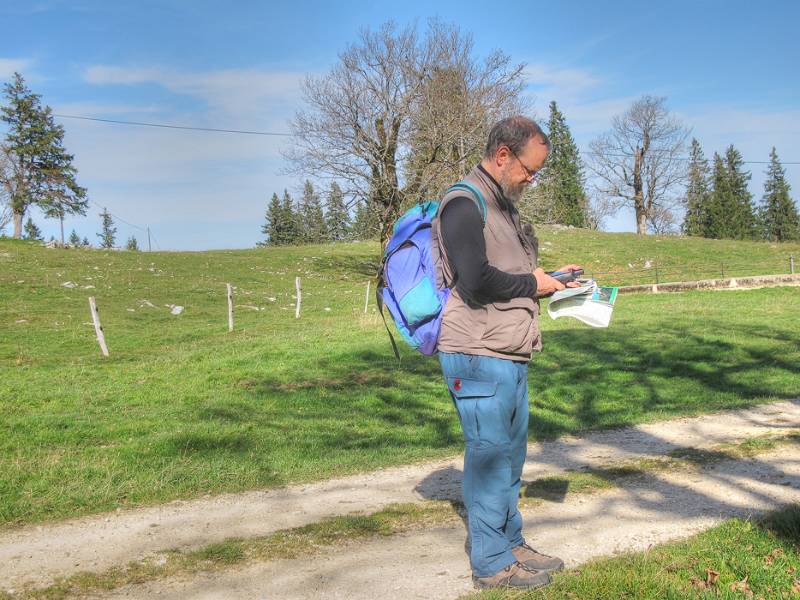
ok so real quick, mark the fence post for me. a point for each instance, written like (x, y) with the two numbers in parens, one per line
(791, 264)
(98, 329)
(299, 296)
(230, 307)
(366, 297)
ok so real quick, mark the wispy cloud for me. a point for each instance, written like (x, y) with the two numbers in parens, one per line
(239, 93)
(549, 82)
(8, 66)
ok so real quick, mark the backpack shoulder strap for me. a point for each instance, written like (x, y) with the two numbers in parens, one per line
(476, 195)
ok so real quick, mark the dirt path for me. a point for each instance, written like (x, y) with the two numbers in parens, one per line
(40, 553)
(432, 564)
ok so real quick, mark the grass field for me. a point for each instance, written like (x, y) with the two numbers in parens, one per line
(183, 408)
(738, 559)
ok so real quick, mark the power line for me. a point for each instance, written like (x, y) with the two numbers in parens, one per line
(168, 126)
(118, 218)
(284, 134)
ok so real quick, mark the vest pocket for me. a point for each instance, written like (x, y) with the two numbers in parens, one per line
(510, 326)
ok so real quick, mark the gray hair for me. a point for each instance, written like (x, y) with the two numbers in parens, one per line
(514, 132)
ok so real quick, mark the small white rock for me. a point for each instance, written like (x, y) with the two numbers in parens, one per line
(69, 284)
(176, 310)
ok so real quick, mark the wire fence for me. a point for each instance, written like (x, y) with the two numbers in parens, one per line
(656, 272)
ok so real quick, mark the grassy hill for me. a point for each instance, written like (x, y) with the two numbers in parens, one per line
(182, 407)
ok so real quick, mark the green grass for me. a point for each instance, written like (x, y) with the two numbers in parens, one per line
(738, 559)
(182, 408)
(324, 536)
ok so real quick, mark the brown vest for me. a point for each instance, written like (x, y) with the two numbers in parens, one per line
(507, 329)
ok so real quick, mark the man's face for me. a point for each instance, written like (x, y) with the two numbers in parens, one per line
(519, 169)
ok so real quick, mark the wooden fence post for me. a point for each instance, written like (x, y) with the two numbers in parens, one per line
(299, 298)
(98, 329)
(230, 307)
(366, 297)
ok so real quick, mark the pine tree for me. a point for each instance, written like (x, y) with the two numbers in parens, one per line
(74, 239)
(132, 244)
(779, 219)
(337, 218)
(366, 224)
(108, 235)
(744, 223)
(45, 175)
(272, 223)
(730, 210)
(562, 180)
(85, 243)
(32, 232)
(291, 231)
(311, 217)
(696, 220)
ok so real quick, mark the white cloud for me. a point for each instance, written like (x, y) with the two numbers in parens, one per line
(8, 66)
(553, 83)
(237, 93)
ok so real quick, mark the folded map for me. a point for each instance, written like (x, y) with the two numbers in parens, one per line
(589, 303)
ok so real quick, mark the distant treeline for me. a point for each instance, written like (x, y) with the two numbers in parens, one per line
(719, 205)
(310, 220)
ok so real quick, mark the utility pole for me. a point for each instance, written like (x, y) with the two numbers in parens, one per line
(149, 249)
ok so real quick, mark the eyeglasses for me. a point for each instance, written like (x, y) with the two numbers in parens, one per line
(530, 174)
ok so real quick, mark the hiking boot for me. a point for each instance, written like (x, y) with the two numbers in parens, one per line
(514, 575)
(535, 560)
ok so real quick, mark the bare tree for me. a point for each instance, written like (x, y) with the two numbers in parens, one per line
(400, 114)
(663, 220)
(637, 163)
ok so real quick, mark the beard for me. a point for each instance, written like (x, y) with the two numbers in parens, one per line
(512, 191)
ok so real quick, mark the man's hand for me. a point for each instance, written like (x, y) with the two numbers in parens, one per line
(571, 267)
(546, 285)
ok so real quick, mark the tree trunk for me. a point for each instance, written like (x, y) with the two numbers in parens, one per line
(638, 193)
(61, 218)
(18, 225)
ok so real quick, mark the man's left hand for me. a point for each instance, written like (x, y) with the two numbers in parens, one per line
(570, 267)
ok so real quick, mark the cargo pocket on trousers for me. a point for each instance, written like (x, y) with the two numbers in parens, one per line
(468, 396)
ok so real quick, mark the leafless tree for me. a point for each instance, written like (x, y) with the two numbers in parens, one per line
(663, 220)
(401, 115)
(638, 162)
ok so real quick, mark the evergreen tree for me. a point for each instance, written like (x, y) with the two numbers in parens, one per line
(561, 180)
(291, 232)
(312, 220)
(696, 220)
(779, 219)
(337, 218)
(32, 232)
(85, 243)
(730, 210)
(108, 235)
(272, 223)
(132, 244)
(366, 224)
(45, 175)
(74, 239)
(744, 223)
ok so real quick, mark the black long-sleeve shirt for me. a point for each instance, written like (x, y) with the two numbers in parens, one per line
(476, 280)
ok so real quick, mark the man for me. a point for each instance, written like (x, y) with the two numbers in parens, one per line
(489, 330)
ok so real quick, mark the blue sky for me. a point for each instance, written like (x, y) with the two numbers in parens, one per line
(728, 69)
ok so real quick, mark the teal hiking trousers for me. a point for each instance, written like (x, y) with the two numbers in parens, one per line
(491, 397)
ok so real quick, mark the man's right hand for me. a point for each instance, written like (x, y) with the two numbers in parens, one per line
(546, 285)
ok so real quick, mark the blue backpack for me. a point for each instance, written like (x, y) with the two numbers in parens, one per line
(407, 276)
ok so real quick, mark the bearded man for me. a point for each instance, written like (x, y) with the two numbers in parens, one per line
(490, 328)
